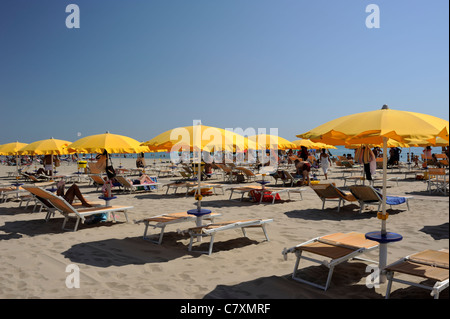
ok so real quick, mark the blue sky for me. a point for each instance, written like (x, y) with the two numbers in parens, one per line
(141, 67)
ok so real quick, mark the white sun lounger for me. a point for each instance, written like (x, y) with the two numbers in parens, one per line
(164, 220)
(39, 195)
(68, 211)
(212, 229)
(428, 264)
(273, 191)
(337, 247)
(191, 186)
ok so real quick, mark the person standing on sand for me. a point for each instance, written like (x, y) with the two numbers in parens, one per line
(325, 162)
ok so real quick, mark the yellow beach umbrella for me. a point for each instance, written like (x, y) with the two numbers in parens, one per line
(49, 146)
(320, 145)
(202, 137)
(304, 142)
(267, 141)
(111, 143)
(371, 127)
(422, 143)
(12, 149)
(377, 127)
(198, 138)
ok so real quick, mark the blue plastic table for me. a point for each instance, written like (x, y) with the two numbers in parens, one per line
(107, 199)
(384, 238)
(199, 214)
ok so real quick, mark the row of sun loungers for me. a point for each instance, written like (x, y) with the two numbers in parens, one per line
(364, 195)
(338, 248)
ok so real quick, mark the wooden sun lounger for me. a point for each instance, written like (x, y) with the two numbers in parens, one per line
(327, 192)
(127, 185)
(191, 186)
(367, 195)
(69, 211)
(428, 264)
(162, 221)
(338, 247)
(39, 194)
(212, 229)
(273, 191)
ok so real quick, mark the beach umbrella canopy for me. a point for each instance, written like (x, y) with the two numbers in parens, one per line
(375, 127)
(371, 127)
(201, 137)
(423, 143)
(198, 138)
(319, 145)
(267, 141)
(304, 142)
(49, 146)
(111, 143)
(11, 148)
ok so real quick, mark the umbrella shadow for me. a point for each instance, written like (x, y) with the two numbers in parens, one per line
(348, 212)
(137, 251)
(345, 279)
(11, 211)
(437, 231)
(36, 227)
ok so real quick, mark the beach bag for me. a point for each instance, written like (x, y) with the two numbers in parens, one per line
(110, 171)
(256, 196)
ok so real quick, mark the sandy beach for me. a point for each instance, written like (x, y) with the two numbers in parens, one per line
(116, 262)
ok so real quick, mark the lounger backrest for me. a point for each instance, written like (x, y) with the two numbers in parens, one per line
(39, 193)
(97, 178)
(246, 171)
(56, 201)
(122, 180)
(436, 171)
(325, 190)
(364, 193)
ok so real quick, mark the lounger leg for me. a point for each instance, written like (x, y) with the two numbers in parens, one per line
(244, 232)
(298, 253)
(161, 235)
(190, 242)
(330, 273)
(64, 222)
(265, 232)
(390, 276)
(323, 204)
(339, 205)
(145, 229)
(76, 224)
(211, 244)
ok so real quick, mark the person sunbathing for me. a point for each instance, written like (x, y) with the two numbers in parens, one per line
(72, 192)
(145, 179)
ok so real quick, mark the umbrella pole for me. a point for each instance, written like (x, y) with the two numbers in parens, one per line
(383, 246)
(199, 175)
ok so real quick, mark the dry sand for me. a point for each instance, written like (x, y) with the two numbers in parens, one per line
(115, 261)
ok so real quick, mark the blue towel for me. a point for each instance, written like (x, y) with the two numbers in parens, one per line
(392, 200)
